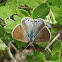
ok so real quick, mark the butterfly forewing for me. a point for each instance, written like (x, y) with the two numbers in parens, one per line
(41, 25)
(38, 25)
(43, 36)
(19, 34)
(27, 24)
(24, 24)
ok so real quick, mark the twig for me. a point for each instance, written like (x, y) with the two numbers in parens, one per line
(54, 39)
(52, 42)
(10, 43)
(26, 47)
(11, 56)
(23, 7)
(13, 47)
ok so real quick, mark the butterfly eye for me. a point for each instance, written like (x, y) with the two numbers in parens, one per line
(38, 21)
(28, 19)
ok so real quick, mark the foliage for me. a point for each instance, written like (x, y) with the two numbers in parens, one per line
(14, 10)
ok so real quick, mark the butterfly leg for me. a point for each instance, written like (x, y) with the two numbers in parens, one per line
(52, 43)
(31, 43)
(33, 47)
(26, 47)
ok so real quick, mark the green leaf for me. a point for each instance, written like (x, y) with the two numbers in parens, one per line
(2, 45)
(2, 32)
(44, 44)
(55, 2)
(28, 3)
(31, 3)
(10, 27)
(9, 21)
(56, 52)
(49, 57)
(22, 13)
(59, 20)
(57, 10)
(41, 11)
(37, 59)
(60, 60)
(17, 18)
(56, 56)
(3, 12)
(1, 4)
(58, 14)
(56, 47)
(9, 9)
(29, 57)
(20, 44)
(53, 30)
(39, 54)
(40, 1)
(11, 6)
(61, 45)
(35, 53)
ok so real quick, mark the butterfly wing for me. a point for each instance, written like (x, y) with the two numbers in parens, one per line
(37, 26)
(40, 24)
(27, 24)
(32, 25)
(19, 34)
(43, 36)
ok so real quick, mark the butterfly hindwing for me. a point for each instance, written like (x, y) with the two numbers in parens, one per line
(19, 34)
(37, 26)
(43, 36)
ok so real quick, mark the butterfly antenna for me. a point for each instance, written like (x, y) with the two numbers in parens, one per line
(26, 47)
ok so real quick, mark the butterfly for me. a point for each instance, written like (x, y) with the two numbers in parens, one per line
(32, 30)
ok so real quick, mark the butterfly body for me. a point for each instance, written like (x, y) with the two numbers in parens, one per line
(31, 30)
